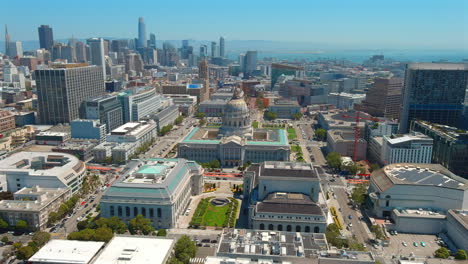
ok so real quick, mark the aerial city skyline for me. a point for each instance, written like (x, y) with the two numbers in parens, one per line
(208, 132)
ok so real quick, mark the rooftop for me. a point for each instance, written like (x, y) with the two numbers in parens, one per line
(418, 174)
(289, 203)
(67, 251)
(397, 139)
(438, 66)
(461, 216)
(32, 199)
(288, 169)
(242, 242)
(136, 250)
(131, 128)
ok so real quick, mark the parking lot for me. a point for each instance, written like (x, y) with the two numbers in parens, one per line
(397, 248)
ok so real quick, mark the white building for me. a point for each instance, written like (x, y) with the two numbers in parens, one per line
(136, 250)
(11, 77)
(408, 148)
(345, 100)
(158, 189)
(138, 132)
(67, 252)
(33, 205)
(285, 196)
(44, 169)
(140, 102)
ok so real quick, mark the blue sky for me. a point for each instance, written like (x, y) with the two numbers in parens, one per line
(402, 24)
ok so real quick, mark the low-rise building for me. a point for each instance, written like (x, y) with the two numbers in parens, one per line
(457, 228)
(44, 169)
(88, 129)
(166, 116)
(256, 246)
(284, 109)
(212, 108)
(25, 118)
(409, 148)
(136, 250)
(139, 132)
(51, 138)
(67, 252)
(33, 205)
(113, 151)
(345, 100)
(7, 121)
(342, 141)
(185, 102)
(158, 189)
(285, 196)
(82, 149)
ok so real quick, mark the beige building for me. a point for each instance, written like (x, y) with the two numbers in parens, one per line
(343, 142)
(7, 121)
(33, 205)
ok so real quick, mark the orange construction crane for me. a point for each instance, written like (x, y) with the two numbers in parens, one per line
(357, 118)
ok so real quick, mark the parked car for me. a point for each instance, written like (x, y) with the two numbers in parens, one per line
(404, 243)
(423, 244)
(415, 244)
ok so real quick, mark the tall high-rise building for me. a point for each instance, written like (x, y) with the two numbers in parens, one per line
(46, 37)
(141, 33)
(203, 51)
(133, 62)
(434, 92)
(250, 64)
(214, 49)
(152, 41)
(60, 91)
(222, 47)
(383, 99)
(169, 56)
(15, 49)
(97, 57)
(186, 51)
(80, 51)
(7, 41)
(203, 74)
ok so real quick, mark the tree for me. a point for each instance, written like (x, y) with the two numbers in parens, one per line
(117, 225)
(179, 120)
(162, 232)
(200, 115)
(320, 134)
(202, 122)
(5, 239)
(271, 115)
(353, 169)
(359, 194)
(41, 238)
(82, 225)
(334, 160)
(103, 234)
(461, 255)
(377, 230)
(442, 253)
(139, 224)
(21, 225)
(17, 245)
(3, 224)
(297, 116)
(25, 252)
(185, 249)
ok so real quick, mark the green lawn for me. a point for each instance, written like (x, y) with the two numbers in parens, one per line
(215, 215)
(291, 133)
(296, 148)
(255, 124)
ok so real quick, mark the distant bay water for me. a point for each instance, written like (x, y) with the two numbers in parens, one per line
(359, 56)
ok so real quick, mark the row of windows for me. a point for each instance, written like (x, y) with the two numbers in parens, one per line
(298, 228)
(136, 212)
(289, 217)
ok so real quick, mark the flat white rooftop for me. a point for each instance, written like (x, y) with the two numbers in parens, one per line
(136, 250)
(67, 251)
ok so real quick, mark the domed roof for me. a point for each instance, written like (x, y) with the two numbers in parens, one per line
(237, 103)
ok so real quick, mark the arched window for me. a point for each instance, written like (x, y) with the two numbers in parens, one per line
(119, 210)
(112, 210)
(289, 228)
(151, 212)
(135, 211)
(307, 229)
(270, 227)
(316, 229)
(159, 212)
(298, 228)
(127, 211)
(387, 203)
(143, 211)
(280, 227)
(262, 226)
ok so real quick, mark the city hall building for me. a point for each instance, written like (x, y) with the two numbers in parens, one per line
(236, 142)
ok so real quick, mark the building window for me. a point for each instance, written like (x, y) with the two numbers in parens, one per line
(135, 211)
(159, 212)
(262, 226)
(280, 227)
(289, 228)
(151, 213)
(270, 227)
(127, 211)
(307, 229)
(119, 210)
(316, 229)
(112, 210)
(298, 228)
(143, 211)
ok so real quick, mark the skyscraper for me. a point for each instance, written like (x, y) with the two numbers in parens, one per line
(7, 41)
(60, 91)
(46, 37)
(222, 47)
(141, 33)
(434, 92)
(80, 51)
(96, 47)
(203, 74)
(203, 51)
(214, 49)
(383, 98)
(250, 64)
(152, 41)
